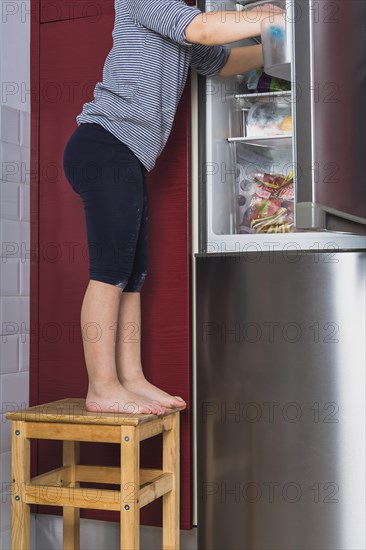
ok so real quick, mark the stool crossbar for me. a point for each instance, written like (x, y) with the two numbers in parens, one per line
(69, 421)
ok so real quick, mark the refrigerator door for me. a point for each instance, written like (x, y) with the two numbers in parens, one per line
(281, 401)
(329, 72)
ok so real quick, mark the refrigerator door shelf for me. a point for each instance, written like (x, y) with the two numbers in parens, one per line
(310, 215)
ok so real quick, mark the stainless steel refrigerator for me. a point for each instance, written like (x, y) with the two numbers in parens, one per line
(279, 293)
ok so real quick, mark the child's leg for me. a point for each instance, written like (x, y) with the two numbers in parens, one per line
(99, 315)
(128, 355)
(108, 178)
(128, 351)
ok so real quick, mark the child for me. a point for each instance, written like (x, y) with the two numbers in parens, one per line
(120, 134)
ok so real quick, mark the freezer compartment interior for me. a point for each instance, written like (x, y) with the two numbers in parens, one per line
(249, 160)
(244, 141)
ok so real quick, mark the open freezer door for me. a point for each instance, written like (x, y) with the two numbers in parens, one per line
(329, 73)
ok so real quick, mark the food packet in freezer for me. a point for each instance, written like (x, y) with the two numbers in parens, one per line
(271, 208)
(268, 119)
(244, 186)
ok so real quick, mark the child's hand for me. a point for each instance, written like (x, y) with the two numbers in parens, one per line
(279, 7)
(267, 10)
(274, 8)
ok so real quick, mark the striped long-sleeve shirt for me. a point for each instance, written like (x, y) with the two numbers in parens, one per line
(145, 73)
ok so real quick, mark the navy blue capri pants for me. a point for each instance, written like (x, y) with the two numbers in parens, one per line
(111, 182)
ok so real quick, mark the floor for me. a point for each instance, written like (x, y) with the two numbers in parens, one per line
(46, 534)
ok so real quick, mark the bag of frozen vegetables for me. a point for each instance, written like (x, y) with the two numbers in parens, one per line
(271, 208)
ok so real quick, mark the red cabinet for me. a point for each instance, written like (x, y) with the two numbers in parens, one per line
(58, 10)
(66, 61)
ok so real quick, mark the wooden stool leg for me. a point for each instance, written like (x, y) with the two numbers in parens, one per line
(71, 515)
(20, 468)
(171, 521)
(130, 484)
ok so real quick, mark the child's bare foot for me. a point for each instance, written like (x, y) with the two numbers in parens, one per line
(142, 387)
(117, 399)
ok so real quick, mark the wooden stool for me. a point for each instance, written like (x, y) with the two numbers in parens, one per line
(69, 421)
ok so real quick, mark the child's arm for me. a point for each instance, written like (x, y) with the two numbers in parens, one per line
(223, 27)
(242, 60)
(188, 25)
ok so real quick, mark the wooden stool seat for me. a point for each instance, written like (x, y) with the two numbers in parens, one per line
(69, 421)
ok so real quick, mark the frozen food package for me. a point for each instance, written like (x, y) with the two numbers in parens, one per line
(244, 194)
(269, 118)
(267, 83)
(271, 206)
(257, 81)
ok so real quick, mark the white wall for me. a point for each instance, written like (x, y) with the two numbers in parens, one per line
(14, 230)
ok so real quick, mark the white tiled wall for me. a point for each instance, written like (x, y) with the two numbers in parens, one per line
(14, 231)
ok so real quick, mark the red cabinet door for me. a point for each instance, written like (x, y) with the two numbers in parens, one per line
(58, 10)
(70, 63)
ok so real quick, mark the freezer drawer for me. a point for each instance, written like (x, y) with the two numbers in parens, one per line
(281, 401)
